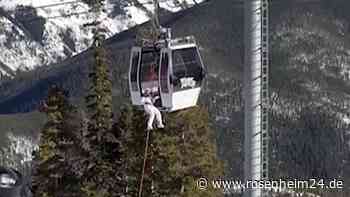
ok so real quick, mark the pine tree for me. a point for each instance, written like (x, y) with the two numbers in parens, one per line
(99, 100)
(130, 122)
(103, 176)
(53, 175)
(178, 156)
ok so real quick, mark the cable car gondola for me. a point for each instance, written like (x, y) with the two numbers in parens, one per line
(171, 68)
(11, 183)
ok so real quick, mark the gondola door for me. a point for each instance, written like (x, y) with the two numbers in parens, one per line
(164, 79)
(134, 69)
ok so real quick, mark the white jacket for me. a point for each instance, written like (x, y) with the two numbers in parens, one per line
(146, 100)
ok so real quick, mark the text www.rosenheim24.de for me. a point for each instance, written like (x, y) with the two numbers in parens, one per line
(204, 184)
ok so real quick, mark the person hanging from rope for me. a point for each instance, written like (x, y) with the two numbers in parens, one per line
(152, 112)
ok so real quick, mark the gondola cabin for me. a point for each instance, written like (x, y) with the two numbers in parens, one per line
(173, 71)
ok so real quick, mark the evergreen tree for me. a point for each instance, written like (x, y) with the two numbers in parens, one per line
(53, 175)
(103, 176)
(104, 172)
(99, 99)
(178, 155)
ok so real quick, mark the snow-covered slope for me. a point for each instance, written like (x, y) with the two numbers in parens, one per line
(40, 32)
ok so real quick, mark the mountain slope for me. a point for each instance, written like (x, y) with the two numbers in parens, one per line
(309, 81)
(37, 33)
(310, 64)
(23, 93)
(71, 73)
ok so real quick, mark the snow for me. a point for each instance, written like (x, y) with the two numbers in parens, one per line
(22, 146)
(346, 120)
(24, 53)
(18, 152)
(8, 4)
(21, 52)
(16, 55)
(137, 15)
(222, 118)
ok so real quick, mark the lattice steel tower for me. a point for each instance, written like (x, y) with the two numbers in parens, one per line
(256, 94)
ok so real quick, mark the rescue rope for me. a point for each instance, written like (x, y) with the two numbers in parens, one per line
(144, 164)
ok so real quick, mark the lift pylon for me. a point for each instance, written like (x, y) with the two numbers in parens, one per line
(256, 94)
